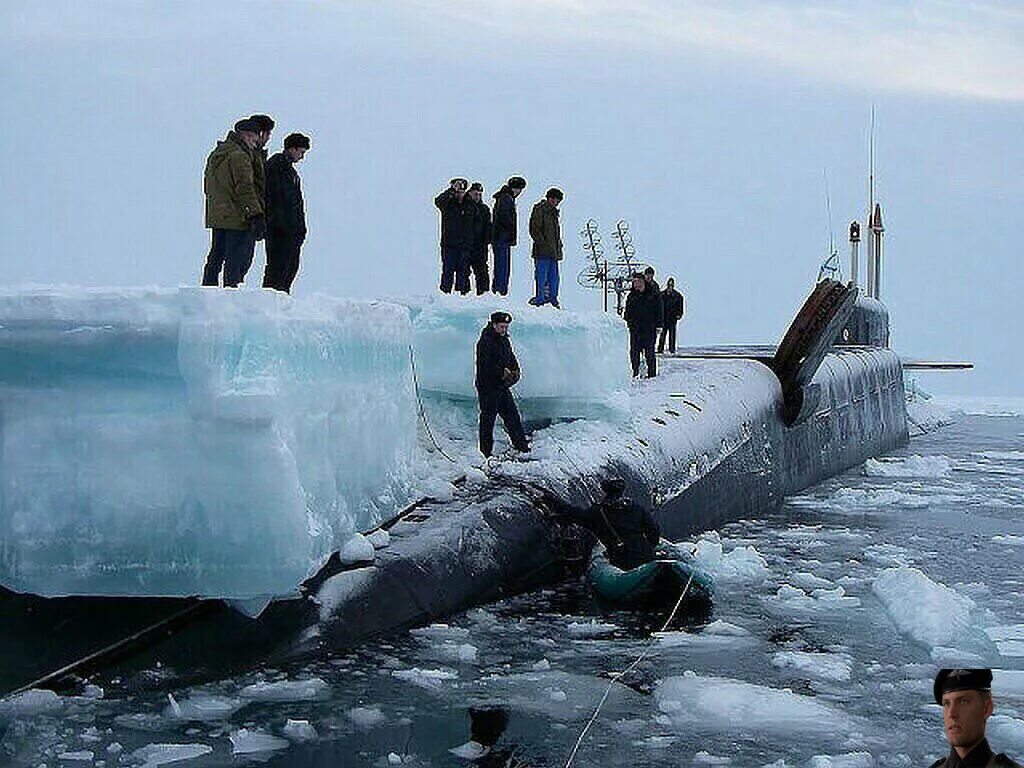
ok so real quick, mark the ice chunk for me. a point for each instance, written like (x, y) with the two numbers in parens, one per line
(366, 717)
(718, 635)
(202, 706)
(793, 600)
(592, 628)
(379, 538)
(691, 702)
(1008, 682)
(706, 758)
(299, 730)
(741, 564)
(286, 690)
(190, 441)
(1009, 639)
(911, 466)
(246, 742)
(33, 702)
(81, 756)
(848, 760)
(830, 667)
(1007, 732)
(165, 754)
(930, 612)
(552, 349)
(431, 679)
(357, 549)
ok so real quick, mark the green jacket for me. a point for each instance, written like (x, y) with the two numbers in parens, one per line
(230, 187)
(546, 232)
(259, 174)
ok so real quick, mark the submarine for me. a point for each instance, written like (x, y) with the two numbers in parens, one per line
(729, 433)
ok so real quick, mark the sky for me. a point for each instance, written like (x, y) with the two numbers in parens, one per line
(711, 126)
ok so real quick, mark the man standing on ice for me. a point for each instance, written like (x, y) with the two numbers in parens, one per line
(672, 309)
(286, 214)
(496, 371)
(482, 229)
(505, 231)
(458, 213)
(965, 696)
(264, 126)
(642, 315)
(546, 232)
(234, 208)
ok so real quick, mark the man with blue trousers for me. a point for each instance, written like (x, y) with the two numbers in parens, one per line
(505, 227)
(546, 232)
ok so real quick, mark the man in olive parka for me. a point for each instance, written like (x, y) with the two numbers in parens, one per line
(234, 210)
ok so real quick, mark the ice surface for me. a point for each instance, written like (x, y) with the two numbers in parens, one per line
(691, 702)
(430, 679)
(366, 717)
(33, 702)
(165, 754)
(202, 706)
(592, 628)
(184, 441)
(930, 612)
(572, 360)
(357, 549)
(1008, 682)
(1006, 733)
(80, 756)
(847, 760)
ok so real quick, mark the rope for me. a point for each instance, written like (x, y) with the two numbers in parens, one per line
(619, 675)
(422, 409)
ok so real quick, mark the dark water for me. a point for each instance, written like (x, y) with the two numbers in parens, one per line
(858, 671)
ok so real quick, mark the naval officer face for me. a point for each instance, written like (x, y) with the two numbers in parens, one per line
(964, 714)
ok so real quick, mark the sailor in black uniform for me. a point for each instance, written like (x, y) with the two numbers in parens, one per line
(966, 699)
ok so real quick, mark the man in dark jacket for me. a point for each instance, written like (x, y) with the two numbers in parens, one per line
(286, 214)
(481, 239)
(458, 213)
(642, 315)
(496, 371)
(672, 310)
(505, 231)
(627, 530)
(264, 126)
(234, 208)
(546, 232)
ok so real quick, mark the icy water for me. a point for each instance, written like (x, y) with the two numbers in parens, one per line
(831, 618)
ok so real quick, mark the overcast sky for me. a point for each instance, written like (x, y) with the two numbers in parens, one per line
(708, 124)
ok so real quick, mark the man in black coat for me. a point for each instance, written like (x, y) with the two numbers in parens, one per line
(642, 315)
(496, 371)
(672, 307)
(481, 239)
(286, 214)
(505, 231)
(458, 214)
(626, 529)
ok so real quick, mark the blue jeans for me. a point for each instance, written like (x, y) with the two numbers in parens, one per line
(546, 276)
(231, 250)
(454, 269)
(502, 267)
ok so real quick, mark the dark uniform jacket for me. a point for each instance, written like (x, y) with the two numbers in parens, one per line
(259, 171)
(457, 219)
(627, 530)
(231, 195)
(546, 231)
(672, 304)
(493, 355)
(981, 756)
(506, 224)
(286, 213)
(482, 231)
(643, 312)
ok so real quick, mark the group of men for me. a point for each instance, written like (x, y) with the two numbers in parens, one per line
(648, 311)
(250, 198)
(469, 228)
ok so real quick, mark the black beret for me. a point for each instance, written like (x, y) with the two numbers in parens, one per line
(476, 186)
(961, 680)
(246, 124)
(296, 140)
(263, 122)
(517, 182)
(554, 192)
(501, 317)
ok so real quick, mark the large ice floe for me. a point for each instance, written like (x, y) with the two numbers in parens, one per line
(198, 441)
